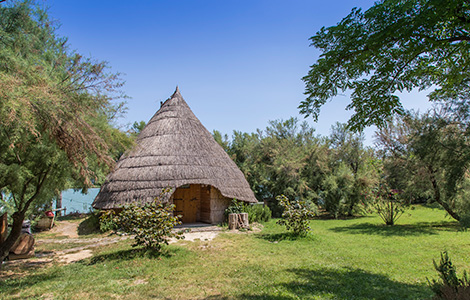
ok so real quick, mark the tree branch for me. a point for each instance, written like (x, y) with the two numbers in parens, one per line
(38, 189)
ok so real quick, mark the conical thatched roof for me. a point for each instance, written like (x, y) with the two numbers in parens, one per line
(174, 149)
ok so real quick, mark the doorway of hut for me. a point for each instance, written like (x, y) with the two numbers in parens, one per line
(192, 203)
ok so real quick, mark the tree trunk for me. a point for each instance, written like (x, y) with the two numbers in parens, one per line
(437, 196)
(58, 204)
(18, 218)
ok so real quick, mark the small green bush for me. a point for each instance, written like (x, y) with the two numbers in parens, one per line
(256, 212)
(235, 207)
(107, 221)
(151, 224)
(296, 215)
(450, 285)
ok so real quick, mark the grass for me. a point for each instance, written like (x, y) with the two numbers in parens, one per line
(343, 259)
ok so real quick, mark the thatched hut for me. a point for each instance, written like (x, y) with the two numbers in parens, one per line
(175, 150)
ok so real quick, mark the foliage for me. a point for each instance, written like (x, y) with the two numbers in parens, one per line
(56, 113)
(388, 204)
(430, 157)
(256, 213)
(286, 158)
(296, 216)
(137, 128)
(235, 207)
(107, 221)
(151, 224)
(392, 47)
(450, 286)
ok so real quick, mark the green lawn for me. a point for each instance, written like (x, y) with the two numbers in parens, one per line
(343, 259)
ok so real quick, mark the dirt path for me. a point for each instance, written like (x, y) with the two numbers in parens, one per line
(82, 247)
(70, 229)
(66, 228)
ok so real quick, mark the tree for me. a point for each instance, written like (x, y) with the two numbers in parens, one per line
(428, 156)
(395, 46)
(55, 113)
(350, 174)
(137, 128)
(286, 158)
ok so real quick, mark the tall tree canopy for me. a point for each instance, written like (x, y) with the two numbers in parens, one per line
(395, 46)
(428, 157)
(55, 112)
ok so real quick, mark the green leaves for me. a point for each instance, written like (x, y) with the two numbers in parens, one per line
(296, 215)
(392, 47)
(151, 224)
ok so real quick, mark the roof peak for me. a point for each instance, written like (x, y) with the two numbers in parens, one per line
(176, 93)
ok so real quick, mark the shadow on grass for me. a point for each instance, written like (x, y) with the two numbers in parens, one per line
(337, 284)
(422, 228)
(15, 284)
(88, 226)
(284, 236)
(348, 283)
(130, 254)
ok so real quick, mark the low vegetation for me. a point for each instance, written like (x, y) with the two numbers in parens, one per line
(357, 258)
(449, 286)
(295, 216)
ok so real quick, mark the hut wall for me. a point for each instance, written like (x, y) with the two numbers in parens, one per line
(218, 204)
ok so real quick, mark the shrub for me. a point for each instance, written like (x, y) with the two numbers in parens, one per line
(107, 221)
(450, 286)
(235, 207)
(256, 213)
(152, 224)
(388, 204)
(296, 215)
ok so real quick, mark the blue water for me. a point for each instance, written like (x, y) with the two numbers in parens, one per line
(78, 202)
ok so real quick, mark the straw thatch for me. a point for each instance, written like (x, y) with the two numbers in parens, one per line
(174, 149)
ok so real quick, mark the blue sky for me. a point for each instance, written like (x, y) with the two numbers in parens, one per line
(238, 64)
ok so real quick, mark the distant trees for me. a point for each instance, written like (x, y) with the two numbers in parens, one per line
(55, 113)
(288, 158)
(351, 174)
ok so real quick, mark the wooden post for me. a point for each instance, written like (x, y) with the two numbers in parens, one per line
(244, 220)
(232, 221)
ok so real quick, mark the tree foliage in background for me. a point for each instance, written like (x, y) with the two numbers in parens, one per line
(56, 112)
(395, 46)
(351, 173)
(288, 158)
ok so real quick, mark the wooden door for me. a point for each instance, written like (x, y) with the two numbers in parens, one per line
(186, 200)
